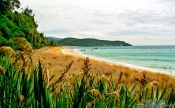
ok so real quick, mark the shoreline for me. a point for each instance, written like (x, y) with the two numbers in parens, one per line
(56, 60)
(75, 52)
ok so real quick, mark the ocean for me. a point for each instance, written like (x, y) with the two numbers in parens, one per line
(153, 57)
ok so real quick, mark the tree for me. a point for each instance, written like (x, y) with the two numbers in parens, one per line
(8, 5)
(28, 12)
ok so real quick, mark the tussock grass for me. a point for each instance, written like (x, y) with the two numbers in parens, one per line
(8, 52)
(24, 90)
(23, 44)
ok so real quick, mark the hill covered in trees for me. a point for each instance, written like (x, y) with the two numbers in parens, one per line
(53, 38)
(90, 42)
(19, 23)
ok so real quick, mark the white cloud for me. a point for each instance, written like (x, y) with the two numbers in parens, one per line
(130, 20)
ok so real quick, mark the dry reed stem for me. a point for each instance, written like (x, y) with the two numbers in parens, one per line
(51, 78)
(143, 80)
(62, 75)
(21, 98)
(1, 70)
(65, 71)
(120, 77)
(86, 67)
(95, 92)
(115, 94)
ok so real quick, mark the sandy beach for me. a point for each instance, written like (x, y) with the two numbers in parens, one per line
(74, 52)
(55, 59)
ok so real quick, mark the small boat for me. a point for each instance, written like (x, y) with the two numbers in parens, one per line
(83, 50)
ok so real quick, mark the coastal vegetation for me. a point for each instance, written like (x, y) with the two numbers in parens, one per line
(19, 23)
(89, 42)
(21, 89)
(49, 78)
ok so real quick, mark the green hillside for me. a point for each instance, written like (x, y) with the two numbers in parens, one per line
(17, 22)
(90, 42)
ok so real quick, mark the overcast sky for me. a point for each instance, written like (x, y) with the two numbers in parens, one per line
(139, 22)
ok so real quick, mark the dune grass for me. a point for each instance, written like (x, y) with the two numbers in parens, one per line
(56, 60)
(21, 89)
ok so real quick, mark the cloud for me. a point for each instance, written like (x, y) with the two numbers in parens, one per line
(133, 21)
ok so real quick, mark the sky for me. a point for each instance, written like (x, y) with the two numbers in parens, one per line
(139, 22)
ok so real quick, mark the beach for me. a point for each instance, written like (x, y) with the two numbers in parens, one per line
(55, 60)
(75, 52)
(154, 58)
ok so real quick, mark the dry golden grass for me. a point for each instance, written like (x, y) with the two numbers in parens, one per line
(23, 44)
(55, 61)
(8, 52)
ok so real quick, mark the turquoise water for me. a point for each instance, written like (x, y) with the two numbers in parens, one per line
(157, 57)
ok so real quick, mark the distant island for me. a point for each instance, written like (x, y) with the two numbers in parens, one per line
(88, 42)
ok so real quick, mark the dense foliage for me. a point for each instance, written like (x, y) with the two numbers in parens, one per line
(90, 42)
(18, 24)
(8, 5)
